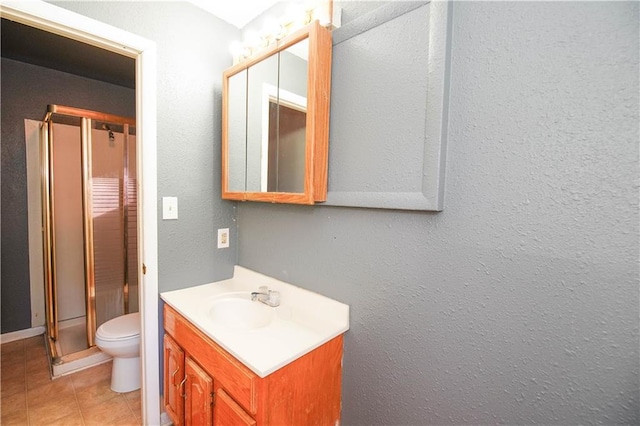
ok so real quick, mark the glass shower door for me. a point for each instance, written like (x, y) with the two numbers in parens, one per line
(89, 224)
(114, 219)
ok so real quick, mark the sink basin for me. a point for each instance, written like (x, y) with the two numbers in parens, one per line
(238, 312)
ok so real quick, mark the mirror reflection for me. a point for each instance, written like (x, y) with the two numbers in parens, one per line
(275, 121)
(261, 75)
(267, 123)
(237, 131)
(287, 123)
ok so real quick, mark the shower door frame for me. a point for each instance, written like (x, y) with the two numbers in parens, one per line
(87, 117)
(46, 183)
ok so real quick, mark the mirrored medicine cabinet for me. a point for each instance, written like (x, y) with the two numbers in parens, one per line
(275, 121)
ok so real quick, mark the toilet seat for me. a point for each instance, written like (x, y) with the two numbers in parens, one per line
(120, 328)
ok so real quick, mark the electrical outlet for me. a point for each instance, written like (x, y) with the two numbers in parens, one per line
(223, 238)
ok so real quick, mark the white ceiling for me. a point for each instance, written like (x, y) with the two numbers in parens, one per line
(235, 12)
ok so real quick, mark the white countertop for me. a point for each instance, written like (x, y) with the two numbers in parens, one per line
(303, 321)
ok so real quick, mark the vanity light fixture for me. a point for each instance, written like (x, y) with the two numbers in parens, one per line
(298, 15)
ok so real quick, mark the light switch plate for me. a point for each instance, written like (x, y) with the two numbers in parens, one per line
(169, 208)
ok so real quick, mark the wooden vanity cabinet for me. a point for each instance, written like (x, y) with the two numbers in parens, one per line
(220, 390)
(229, 413)
(173, 379)
(189, 393)
(198, 401)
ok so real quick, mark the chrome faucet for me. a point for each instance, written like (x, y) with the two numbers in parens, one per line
(266, 296)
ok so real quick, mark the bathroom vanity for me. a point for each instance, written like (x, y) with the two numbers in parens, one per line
(231, 360)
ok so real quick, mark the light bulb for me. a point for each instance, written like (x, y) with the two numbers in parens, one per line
(252, 39)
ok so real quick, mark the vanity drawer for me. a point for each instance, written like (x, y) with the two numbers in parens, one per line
(237, 380)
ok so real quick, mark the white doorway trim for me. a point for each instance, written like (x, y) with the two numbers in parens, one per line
(63, 22)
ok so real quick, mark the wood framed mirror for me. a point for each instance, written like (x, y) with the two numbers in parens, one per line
(275, 121)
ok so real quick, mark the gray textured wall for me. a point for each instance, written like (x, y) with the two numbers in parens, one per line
(192, 50)
(518, 303)
(26, 92)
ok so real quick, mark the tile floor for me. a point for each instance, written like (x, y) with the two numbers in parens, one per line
(30, 397)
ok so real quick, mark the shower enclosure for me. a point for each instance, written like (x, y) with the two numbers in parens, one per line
(89, 218)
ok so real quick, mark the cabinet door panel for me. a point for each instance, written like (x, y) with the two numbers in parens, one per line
(231, 374)
(173, 376)
(199, 389)
(228, 413)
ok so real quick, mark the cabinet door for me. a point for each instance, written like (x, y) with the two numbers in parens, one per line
(228, 413)
(199, 396)
(173, 377)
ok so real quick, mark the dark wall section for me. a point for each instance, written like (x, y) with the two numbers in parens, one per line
(26, 92)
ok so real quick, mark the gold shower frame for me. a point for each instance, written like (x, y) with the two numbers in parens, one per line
(48, 200)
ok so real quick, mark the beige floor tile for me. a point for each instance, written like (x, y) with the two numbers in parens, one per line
(59, 388)
(95, 394)
(108, 412)
(135, 403)
(91, 376)
(16, 418)
(30, 397)
(11, 359)
(11, 371)
(39, 363)
(12, 385)
(13, 403)
(34, 341)
(37, 378)
(129, 420)
(132, 395)
(46, 412)
(6, 348)
(36, 352)
(71, 420)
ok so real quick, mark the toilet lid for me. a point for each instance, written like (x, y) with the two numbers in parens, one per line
(120, 327)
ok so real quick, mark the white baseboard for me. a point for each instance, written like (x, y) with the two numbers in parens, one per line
(21, 334)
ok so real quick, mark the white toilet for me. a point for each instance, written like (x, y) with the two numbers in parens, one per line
(120, 338)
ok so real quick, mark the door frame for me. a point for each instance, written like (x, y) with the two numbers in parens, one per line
(69, 24)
